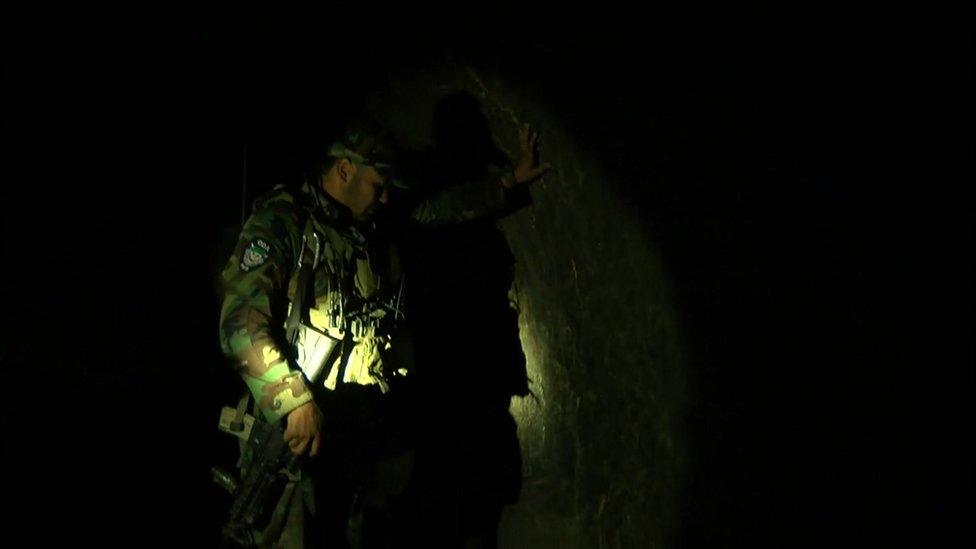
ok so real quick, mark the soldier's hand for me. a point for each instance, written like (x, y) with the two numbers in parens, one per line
(304, 429)
(528, 168)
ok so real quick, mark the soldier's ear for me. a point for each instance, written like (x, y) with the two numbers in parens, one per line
(346, 169)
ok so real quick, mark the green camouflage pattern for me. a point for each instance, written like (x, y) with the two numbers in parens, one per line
(260, 280)
(364, 142)
(250, 325)
(287, 528)
(261, 277)
(465, 202)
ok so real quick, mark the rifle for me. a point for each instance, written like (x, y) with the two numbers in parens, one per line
(271, 463)
(265, 474)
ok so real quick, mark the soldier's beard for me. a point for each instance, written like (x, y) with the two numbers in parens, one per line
(369, 212)
(363, 216)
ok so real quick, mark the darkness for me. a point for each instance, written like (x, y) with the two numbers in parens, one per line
(806, 181)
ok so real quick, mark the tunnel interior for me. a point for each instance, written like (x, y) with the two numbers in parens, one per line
(744, 291)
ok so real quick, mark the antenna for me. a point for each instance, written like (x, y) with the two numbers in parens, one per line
(244, 186)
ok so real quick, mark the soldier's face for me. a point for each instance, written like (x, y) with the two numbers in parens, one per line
(366, 191)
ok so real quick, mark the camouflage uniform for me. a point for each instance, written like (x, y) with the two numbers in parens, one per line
(260, 282)
(348, 304)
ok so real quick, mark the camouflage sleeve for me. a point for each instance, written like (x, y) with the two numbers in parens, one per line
(255, 302)
(464, 202)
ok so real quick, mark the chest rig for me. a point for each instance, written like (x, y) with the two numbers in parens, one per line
(337, 321)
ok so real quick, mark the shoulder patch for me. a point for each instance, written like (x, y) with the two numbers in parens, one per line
(255, 255)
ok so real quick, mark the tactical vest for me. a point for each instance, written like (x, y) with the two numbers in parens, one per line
(339, 320)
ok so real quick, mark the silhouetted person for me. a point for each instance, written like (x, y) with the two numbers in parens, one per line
(469, 360)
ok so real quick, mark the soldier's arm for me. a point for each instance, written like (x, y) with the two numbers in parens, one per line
(501, 187)
(254, 307)
(466, 201)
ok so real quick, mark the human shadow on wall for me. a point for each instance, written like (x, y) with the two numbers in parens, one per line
(468, 356)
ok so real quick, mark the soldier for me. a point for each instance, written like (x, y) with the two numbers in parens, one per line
(273, 325)
(336, 298)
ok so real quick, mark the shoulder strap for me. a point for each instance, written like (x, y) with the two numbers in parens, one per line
(303, 296)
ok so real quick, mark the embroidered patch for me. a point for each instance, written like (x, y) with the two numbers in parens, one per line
(255, 255)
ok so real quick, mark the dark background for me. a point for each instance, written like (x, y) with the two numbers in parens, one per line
(824, 285)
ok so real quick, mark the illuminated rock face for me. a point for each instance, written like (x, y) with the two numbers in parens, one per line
(602, 438)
